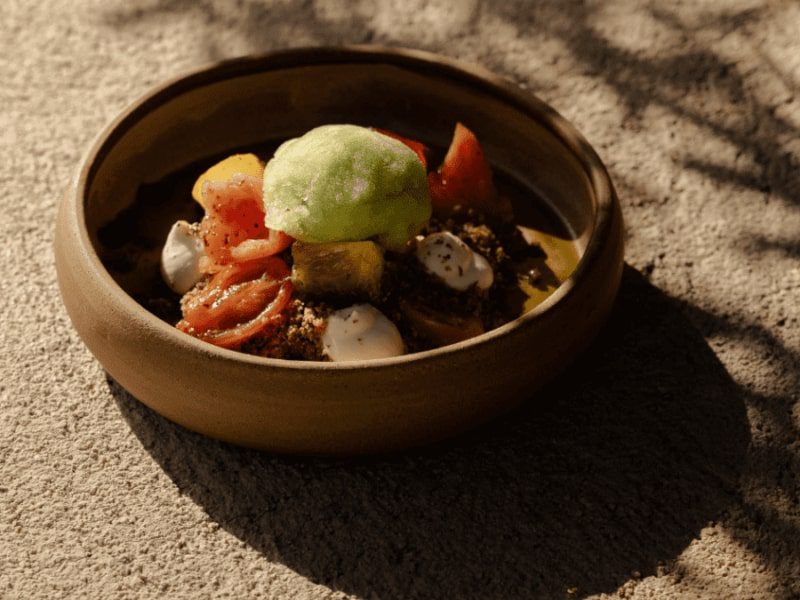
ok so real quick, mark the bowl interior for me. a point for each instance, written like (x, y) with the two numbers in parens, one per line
(224, 110)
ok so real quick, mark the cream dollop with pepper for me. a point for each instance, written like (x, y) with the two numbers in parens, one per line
(360, 332)
(445, 255)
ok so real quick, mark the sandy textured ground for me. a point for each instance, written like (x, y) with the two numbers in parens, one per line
(666, 465)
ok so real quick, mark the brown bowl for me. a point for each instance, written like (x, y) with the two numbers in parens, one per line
(337, 408)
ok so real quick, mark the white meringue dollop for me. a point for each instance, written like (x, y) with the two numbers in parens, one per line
(445, 255)
(360, 332)
(180, 257)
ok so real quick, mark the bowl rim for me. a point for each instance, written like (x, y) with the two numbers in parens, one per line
(418, 60)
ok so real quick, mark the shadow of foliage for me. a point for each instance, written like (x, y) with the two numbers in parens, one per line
(763, 520)
(262, 26)
(787, 248)
(697, 84)
(612, 470)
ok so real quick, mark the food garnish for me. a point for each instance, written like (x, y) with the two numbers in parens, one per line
(465, 179)
(346, 183)
(246, 164)
(330, 251)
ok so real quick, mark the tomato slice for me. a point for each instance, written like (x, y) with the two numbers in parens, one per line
(240, 301)
(418, 147)
(465, 179)
(269, 318)
(250, 286)
(233, 229)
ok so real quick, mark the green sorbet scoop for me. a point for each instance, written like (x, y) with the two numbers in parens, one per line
(342, 183)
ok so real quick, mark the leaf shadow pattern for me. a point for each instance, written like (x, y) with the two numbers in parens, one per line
(765, 518)
(788, 248)
(697, 84)
(260, 25)
(612, 470)
(700, 86)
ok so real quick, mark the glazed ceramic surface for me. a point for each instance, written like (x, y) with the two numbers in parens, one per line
(337, 408)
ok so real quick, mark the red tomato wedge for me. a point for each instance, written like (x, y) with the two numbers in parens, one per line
(465, 179)
(418, 147)
(240, 301)
(233, 229)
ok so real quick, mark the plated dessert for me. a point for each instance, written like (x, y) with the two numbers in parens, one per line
(343, 246)
(137, 181)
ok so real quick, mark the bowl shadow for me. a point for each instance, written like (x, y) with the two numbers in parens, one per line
(608, 473)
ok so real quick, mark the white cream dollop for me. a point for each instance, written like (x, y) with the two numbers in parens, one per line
(448, 257)
(360, 332)
(180, 257)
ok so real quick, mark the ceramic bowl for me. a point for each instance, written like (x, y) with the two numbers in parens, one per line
(337, 408)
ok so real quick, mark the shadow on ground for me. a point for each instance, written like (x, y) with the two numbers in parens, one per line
(609, 473)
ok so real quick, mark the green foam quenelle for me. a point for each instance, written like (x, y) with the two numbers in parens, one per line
(346, 183)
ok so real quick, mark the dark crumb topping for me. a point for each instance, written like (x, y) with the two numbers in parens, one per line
(300, 335)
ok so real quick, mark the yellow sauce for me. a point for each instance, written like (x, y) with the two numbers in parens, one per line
(561, 255)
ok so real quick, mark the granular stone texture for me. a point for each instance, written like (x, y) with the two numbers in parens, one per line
(665, 464)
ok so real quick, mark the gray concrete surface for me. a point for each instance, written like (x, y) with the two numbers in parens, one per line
(666, 463)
